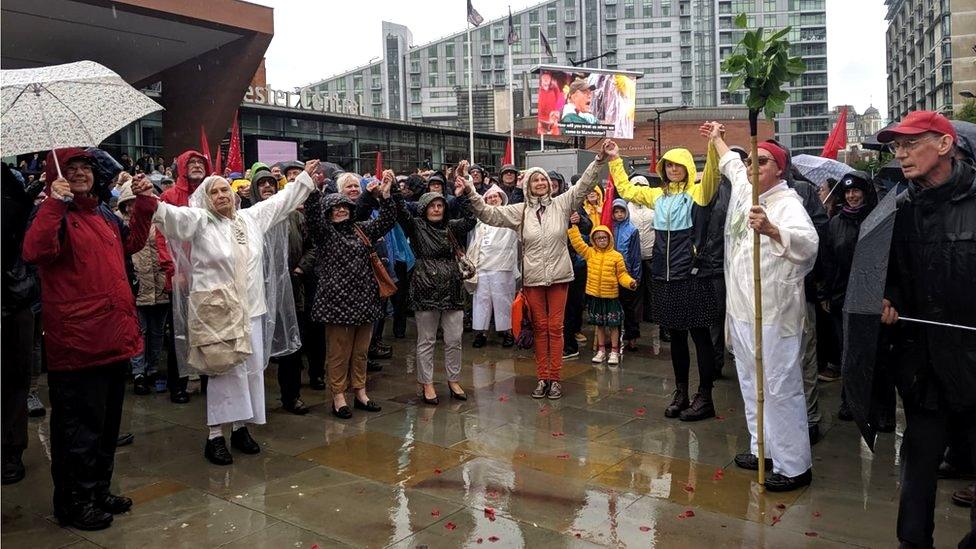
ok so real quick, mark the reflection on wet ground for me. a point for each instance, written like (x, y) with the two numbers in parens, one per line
(601, 467)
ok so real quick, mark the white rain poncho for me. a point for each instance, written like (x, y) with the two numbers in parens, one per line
(228, 271)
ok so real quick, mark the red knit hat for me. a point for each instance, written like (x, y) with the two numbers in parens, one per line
(779, 155)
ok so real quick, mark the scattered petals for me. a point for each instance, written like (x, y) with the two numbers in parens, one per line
(503, 398)
(450, 526)
(687, 514)
(689, 488)
(493, 539)
(437, 471)
(719, 474)
(781, 506)
(640, 411)
(810, 534)
(629, 389)
(558, 434)
(480, 540)
(435, 513)
(645, 528)
(577, 534)
(720, 418)
(775, 520)
(562, 456)
(490, 514)
(314, 546)
(816, 514)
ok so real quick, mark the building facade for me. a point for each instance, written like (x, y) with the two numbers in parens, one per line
(859, 126)
(677, 45)
(931, 47)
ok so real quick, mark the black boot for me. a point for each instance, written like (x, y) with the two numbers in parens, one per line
(373, 366)
(701, 407)
(845, 414)
(679, 403)
(113, 504)
(378, 351)
(241, 440)
(217, 453)
(84, 516)
(13, 468)
(178, 394)
(665, 335)
(480, 339)
(508, 340)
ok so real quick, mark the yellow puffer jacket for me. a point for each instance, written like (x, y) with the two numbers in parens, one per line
(605, 269)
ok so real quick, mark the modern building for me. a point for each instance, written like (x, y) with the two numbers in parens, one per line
(931, 47)
(676, 44)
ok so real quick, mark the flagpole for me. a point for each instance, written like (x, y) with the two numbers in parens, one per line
(542, 134)
(511, 104)
(470, 101)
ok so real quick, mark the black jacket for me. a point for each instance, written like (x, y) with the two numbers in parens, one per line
(837, 254)
(931, 274)
(709, 228)
(20, 285)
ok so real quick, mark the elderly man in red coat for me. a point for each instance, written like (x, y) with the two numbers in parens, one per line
(79, 247)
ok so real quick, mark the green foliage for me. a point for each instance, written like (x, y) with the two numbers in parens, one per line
(763, 65)
(967, 112)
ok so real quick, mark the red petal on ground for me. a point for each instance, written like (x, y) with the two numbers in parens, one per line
(810, 534)
(490, 513)
(493, 539)
(503, 398)
(719, 474)
(645, 528)
(629, 389)
(781, 506)
(437, 471)
(314, 546)
(689, 488)
(640, 411)
(720, 418)
(562, 456)
(435, 513)
(577, 534)
(687, 514)
(450, 526)
(816, 514)
(775, 520)
(480, 540)
(558, 434)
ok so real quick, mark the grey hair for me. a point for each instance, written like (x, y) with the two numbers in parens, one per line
(344, 177)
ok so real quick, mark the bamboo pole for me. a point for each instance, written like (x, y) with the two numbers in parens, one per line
(757, 289)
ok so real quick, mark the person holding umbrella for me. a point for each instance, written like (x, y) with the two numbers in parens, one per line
(79, 247)
(930, 273)
(788, 253)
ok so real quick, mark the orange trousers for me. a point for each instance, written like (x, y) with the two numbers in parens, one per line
(547, 305)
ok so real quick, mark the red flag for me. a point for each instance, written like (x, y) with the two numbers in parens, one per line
(508, 157)
(204, 146)
(219, 168)
(378, 172)
(838, 137)
(235, 160)
(653, 160)
(606, 216)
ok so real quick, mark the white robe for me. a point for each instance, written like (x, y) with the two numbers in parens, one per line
(783, 267)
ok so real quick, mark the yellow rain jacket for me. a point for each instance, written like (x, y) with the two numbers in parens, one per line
(605, 269)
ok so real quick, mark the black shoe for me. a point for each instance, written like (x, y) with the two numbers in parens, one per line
(179, 397)
(829, 374)
(751, 462)
(541, 389)
(814, 432)
(113, 504)
(701, 408)
(140, 385)
(845, 414)
(782, 483)
(13, 469)
(240, 439)
(508, 340)
(125, 439)
(679, 403)
(217, 453)
(665, 335)
(316, 384)
(569, 354)
(379, 353)
(296, 407)
(368, 406)
(457, 396)
(963, 498)
(423, 396)
(885, 425)
(342, 413)
(479, 340)
(373, 366)
(84, 516)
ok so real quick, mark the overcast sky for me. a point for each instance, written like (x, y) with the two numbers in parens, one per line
(314, 40)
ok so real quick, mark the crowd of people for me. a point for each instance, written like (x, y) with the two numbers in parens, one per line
(107, 268)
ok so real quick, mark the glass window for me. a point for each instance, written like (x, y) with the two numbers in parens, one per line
(449, 51)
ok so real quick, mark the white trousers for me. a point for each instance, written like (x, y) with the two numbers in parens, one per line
(238, 395)
(785, 410)
(495, 292)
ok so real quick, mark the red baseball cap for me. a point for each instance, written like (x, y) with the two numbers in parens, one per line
(919, 122)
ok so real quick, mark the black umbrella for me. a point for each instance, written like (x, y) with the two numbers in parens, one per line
(966, 134)
(871, 142)
(862, 312)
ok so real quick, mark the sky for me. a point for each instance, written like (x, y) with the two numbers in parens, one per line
(314, 40)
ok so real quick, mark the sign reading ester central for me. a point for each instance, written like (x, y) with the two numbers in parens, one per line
(305, 99)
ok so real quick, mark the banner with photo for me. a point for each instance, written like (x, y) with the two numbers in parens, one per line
(577, 101)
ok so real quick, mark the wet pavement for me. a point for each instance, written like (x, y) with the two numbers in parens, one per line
(601, 467)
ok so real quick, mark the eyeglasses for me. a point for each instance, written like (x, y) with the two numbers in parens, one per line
(197, 161)
(763, 160)
(908, 144)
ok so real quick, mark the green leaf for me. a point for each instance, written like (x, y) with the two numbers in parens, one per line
(779, 34)
(751, 42)
(736, 83)
(741, 21)
(796, 66)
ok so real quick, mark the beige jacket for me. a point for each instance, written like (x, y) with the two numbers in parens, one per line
(152, 275)
(545, 248)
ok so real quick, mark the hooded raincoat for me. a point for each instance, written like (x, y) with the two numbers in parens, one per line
(492, 248)
(606, 270)
(627, 240)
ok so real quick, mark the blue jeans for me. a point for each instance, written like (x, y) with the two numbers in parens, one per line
(152, 320)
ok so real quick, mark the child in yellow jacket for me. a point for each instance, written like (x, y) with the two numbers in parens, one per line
(605, 271)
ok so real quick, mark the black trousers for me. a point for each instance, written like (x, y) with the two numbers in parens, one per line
(86, 410)
(921, 452)
(290, 366)
(575, 303)
(717, 330)
(647, 297)
(630, 301)
(16, 352)
(174, 382)
(400, 299)
(681, 357)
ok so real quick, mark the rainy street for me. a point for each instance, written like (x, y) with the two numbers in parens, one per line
(601, 467)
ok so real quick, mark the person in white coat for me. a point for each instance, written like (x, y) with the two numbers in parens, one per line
(788, 248)
(219, 255)
(494, 251)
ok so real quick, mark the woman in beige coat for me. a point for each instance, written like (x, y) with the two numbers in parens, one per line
(542, 221)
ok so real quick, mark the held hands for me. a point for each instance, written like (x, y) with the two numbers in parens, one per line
(141, 185)
(311, 166)
(388, 175)
(712, 130)
(633, 285)
(373, 187)
(609, 152)
(462, 168)
(575, 218)
(386, 185)
(461, 186)
(888, 313)
(61, 189)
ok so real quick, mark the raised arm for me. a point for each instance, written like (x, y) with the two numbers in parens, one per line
(272, 211)
(143, 209)
(576, 239)
(711, 178)
(376, 228)
(646, 196)
(571, 199)
(509, 216)
(179, 222)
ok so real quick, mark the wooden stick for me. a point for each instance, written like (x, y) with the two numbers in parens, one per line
(757, 286)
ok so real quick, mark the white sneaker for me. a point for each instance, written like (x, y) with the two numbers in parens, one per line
(599, 357)
(614, 358)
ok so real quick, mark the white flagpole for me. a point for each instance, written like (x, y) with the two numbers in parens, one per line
(470, 101)
(511, 105)
(542, 135)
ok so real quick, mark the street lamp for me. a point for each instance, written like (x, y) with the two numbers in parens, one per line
(657, 126)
